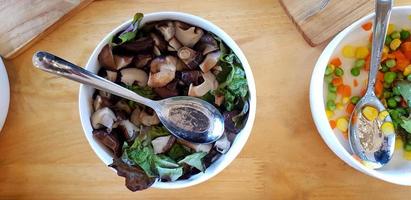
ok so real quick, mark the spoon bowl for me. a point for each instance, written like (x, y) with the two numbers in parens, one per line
(187, 118)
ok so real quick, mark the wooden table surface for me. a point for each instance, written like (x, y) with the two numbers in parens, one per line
(44, 154)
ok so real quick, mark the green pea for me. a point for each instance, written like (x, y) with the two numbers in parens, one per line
(395, 91)
(328, 78)
(386, 85)
(389, 77)
(359, 63)
(331, 105)
(355, 99)
(355, 71)
(388, 40)
(332, 88)
(329, 69)
(390, 63)
(387, 94)
(338, 71)
(395, 35)
(409, 77)
(384, 68)
(404, 34)
(391, 102)
(331, 96)
(397, 98)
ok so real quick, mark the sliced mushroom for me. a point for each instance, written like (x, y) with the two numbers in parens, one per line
(103, 117)
(142, 60)
(217, 69)
(109, 140)
(222, 145)
(174, 44)
(160, 45)
(210, 61)
(163, 144)
(170, 90)
(100, 102)
(207, 44)
(122, 105)
(190, 57)
(148, 120)
(188, 36)
(210, 83)
(111, 76)
(131, 75)
(180, 65)
(162, 71)
(191, 77)
(140, 45)
(128, 129)
(135, 116)
(112, 62)
(218, 100)
(167, 29)
(196, 147)
(104, 94)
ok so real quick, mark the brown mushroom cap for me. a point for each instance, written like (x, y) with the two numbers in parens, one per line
(163, 144)
(210, 83)
(167, 29)
(131, 75)
(103, 117)
(187, 35)
(128, 129)
(162, 71)
(207, 44)
(142, 60)
(112, 62)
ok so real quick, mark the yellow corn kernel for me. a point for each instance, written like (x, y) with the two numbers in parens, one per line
(361, 52)
(348, 51)
(340, 106)
(399, 144)
(407, 70)
(383, 115)
(395, 44)
(342, 124)
(387, 128)
(407, 155)
(385, 49)
(345, 100)
(329, 113)
(391, 28)
(370, 113)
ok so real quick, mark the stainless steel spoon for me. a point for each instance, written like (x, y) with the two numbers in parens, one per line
(187, 118)
(366, 137)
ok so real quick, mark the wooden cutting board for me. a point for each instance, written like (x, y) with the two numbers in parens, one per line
(320, 20)
(25, 21)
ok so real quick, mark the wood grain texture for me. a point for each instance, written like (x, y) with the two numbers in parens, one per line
(44, 154)
(25, 21)
(319, 25)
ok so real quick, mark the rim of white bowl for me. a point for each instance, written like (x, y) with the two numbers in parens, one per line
(5, 94)
(318, 111)
(245, 132)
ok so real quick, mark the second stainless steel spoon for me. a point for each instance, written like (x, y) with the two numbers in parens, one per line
(187, 118)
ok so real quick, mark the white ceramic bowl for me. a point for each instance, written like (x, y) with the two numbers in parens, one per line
(5, 94)
(85, 99)
(398, 170)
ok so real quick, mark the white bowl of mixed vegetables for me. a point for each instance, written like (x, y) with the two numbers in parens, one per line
(160, 55)
(339, 81)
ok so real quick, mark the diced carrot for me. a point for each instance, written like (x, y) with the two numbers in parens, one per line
(350, 108)
(346, 91)
(384, 57)
(378, 88)
(380, 76)
(362, 93)
(367, 26)
(390, 56)
(399, 55)
(402, 64)
(337, 81)
(336, 62)
(333, 124)
(340, 89)
(406, 49)
(355, 82)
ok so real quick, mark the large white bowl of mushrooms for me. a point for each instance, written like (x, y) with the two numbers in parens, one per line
(160, 55)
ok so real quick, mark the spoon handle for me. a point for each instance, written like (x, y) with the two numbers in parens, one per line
(382, 16)
(58, 66)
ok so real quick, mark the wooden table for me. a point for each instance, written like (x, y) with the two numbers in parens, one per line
(44, 154)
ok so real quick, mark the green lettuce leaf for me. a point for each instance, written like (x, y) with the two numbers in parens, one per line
(169, 174)
(142, 91)
(131, 32)
(406, 125)
(404, 87)
(177, 152)
(195, 160)
(157, 131)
